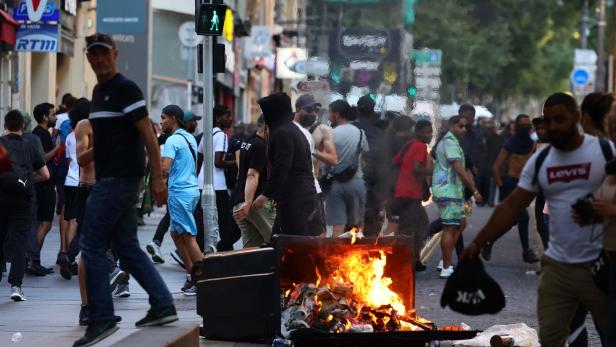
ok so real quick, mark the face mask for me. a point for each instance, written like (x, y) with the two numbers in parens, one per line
(308, 120)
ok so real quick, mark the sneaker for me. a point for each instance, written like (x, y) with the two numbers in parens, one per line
(190, 290)
(154, 251)
(96, 332)
(176, 256)
(439, 267)
(17, 294)
(36, 269)
(84, 316)
(122, 291)
(529, 256)
(486, 252)
(59, 258)
(419, 267)
(157, 317)
(65, 267)
(116, 277)
(446, 272)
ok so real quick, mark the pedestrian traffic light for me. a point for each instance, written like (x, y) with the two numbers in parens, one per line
(210, 20)
(411, 91)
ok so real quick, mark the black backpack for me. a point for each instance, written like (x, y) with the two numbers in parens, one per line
(17, 179)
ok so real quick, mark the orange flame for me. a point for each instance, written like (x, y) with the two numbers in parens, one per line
(353, 233)
(365, 273)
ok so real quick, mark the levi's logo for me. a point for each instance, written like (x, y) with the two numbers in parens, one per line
(472, 298)
(569, 173)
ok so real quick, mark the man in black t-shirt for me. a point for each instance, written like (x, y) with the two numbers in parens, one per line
(16, 197)
(45, 191)
(121, 127)
(254, 222)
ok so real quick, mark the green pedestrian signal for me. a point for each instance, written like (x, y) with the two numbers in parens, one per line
(411, 91)
(209, 21)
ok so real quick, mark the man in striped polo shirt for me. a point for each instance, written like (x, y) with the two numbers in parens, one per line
(121, 127)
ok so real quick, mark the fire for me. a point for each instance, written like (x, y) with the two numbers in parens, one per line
(353, 233)
(366, 275)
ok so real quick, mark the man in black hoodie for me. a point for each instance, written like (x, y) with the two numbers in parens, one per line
(290, 181)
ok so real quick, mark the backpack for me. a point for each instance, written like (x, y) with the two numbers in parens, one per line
(600, 266)
(16, 179)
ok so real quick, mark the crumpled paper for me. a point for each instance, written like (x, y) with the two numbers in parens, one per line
(523, 335)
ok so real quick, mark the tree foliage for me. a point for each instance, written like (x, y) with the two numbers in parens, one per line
(500, 48)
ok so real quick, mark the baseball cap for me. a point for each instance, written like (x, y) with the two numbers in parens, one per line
(175, 111)
(305, 100)
(471, 291)
(99, 39)
(190, 116)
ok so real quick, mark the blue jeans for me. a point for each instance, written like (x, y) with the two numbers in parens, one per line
(110, 216)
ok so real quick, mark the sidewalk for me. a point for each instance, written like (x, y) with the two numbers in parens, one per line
(49, 317)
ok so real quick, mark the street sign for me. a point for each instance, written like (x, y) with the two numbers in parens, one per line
(427, 56)
(260, 43)
(37, 37)
(46, 11)
(188, 36)
(211, 19)
(580, 76)
(289, 62)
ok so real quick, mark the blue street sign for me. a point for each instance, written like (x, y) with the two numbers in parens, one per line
(37, 37)
(51, 13)
(580, 76)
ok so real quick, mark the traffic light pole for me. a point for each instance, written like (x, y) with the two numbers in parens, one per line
(208, 197)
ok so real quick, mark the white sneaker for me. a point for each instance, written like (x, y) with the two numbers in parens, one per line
(446, 272)
(154, 251)
(439, 267)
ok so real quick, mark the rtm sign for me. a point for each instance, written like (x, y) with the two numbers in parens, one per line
(36, 37)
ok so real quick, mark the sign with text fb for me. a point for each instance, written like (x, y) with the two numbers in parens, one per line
(35, 11)
(37, 37)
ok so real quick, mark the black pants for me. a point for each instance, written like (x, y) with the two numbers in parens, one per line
(163, 226)
(229, 231)
(372, 220)
(15, 225)
(298, 216)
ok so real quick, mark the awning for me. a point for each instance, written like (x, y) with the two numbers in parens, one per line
(8, 26)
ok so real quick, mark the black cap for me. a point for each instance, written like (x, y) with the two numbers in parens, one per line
(305, 100)
(99, 39)
(471, 291)
(174, 111)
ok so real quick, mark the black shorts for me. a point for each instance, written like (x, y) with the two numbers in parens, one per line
(46, 201)
(80, 201)
(70, 193)
(60, 177)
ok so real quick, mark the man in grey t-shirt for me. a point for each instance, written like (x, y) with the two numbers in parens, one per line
(346, 198)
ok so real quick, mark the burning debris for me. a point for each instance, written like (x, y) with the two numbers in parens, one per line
(355, 296)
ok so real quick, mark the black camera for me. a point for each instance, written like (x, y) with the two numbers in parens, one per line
(583, 208)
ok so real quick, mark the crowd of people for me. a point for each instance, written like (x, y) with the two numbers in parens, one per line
(100, 164)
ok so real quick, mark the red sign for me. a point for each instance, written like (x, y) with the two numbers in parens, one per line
(569, 173)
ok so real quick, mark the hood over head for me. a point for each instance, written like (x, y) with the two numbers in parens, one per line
(276, 109)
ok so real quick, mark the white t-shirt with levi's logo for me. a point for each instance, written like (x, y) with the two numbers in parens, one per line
(564, 178)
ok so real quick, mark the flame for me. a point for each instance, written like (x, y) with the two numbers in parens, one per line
(365, 273)
(318, 276)
(286, 294)
(353, 233)
(329, 318)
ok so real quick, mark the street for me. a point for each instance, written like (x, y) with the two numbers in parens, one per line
(49, 316)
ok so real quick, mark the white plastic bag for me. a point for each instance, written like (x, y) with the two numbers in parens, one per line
(523, 336)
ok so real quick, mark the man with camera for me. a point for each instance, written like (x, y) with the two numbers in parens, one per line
(566, 174)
